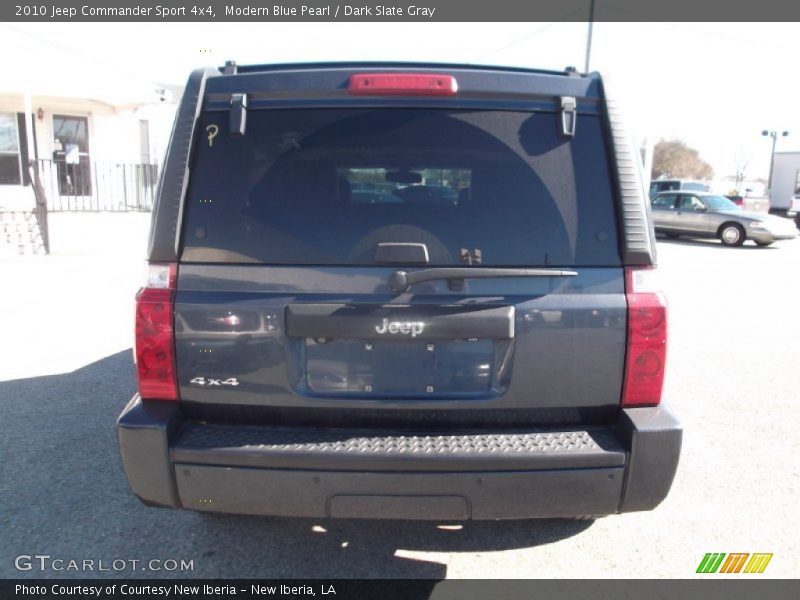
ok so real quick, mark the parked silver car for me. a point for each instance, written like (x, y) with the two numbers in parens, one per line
(702, 214)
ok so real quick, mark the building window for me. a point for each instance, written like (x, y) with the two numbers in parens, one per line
(10, 172)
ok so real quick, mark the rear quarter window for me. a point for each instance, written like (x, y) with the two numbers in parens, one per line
(325, 186)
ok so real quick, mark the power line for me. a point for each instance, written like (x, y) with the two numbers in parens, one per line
(608, 6)
(114, 67)
(533, 33)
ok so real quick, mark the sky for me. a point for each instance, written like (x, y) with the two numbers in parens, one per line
(714, 85)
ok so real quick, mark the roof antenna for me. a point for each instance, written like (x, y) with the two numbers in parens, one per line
(589, 36)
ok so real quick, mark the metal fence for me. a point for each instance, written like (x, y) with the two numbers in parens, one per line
(88, 186)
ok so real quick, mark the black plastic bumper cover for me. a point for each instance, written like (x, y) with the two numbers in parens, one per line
(388, 474)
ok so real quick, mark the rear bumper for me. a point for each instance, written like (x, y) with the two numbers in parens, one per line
(307, 472)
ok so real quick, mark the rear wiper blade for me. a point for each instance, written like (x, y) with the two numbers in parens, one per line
(400, 281)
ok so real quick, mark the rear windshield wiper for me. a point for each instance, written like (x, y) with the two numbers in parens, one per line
(400, 281)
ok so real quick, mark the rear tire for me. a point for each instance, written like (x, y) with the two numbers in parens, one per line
(731, 234)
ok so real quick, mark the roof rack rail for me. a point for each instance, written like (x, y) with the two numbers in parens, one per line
(229, 68)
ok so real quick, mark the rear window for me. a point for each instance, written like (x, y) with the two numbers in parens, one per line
(665, 186)
(325, 186)
(697, 187)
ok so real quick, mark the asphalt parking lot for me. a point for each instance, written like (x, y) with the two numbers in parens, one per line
(66, 372)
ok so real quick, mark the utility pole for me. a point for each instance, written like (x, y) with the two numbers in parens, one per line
(589, 36)
(647, 166)
(774, 136)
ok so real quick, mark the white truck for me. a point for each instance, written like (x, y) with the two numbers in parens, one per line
(785, 196)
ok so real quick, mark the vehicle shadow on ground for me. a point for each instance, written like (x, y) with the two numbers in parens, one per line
(63, 493)
(366, 549)
(712, 243)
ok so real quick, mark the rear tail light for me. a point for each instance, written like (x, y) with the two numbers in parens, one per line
(402, 84)
(645, 358)
(155, 339)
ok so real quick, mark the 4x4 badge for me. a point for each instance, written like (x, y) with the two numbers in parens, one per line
(210, 381)
(412, 328)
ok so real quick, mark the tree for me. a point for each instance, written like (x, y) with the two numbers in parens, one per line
(673, 158)
(740, 164)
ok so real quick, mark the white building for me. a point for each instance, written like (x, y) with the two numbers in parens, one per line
(87, 147)
(87, 123)
(749, 188)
